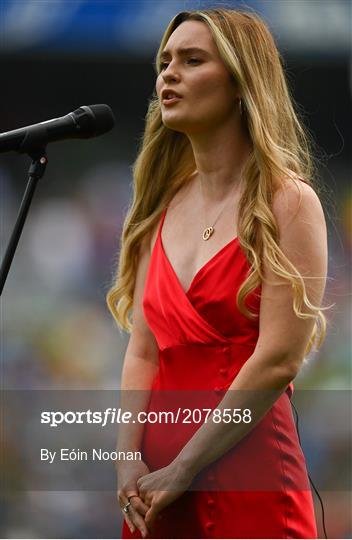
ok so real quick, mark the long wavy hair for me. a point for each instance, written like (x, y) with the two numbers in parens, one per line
(282, 149)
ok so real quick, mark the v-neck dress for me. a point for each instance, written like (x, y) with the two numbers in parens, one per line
(260, 487)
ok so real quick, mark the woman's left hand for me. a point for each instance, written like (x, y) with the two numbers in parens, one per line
(160, 488)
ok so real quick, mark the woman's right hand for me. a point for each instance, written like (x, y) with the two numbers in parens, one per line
(127, 476)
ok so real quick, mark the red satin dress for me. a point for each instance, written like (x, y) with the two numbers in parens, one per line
(260, 487)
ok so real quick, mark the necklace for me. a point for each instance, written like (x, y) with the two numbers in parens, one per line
(209, 231)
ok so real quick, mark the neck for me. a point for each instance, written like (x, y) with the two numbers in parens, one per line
(220, 155)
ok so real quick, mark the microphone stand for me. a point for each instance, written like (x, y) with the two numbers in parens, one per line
(35, 172)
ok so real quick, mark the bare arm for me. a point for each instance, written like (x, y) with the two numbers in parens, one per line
(141, 362)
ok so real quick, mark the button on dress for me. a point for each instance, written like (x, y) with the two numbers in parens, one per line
(260, 487)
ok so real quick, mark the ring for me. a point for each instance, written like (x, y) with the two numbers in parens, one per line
(125, 508)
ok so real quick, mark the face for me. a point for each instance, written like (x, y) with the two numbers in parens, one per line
(193, 71)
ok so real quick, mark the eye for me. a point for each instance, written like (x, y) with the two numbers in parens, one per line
(192, 61)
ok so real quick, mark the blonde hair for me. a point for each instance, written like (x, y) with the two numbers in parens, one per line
(281, 150)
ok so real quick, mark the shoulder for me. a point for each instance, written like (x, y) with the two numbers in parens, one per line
(296, 204)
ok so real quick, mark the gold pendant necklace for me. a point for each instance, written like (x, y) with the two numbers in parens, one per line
(209, 231)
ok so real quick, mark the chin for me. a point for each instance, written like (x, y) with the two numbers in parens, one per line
(179, 122)
(175, 124)
(188, 125)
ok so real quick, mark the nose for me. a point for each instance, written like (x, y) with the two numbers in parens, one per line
(170, 74)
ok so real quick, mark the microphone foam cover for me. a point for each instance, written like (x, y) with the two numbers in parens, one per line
(94, 120)
(104, 117)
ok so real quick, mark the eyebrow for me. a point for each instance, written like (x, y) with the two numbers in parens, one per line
(183, 51)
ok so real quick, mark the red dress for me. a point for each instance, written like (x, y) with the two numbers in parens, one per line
(260, 487)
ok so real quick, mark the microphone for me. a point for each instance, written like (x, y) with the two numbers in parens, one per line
(82, 123)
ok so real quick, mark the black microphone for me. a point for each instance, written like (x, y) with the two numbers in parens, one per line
(82, 123)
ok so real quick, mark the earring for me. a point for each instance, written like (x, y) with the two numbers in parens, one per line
(240, 105)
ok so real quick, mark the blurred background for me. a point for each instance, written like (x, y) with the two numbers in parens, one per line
(56, 331)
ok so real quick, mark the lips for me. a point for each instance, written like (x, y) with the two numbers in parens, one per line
(167, 94)
(169, 97)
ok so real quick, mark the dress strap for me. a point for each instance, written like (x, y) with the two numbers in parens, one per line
(290, 389)
(163, 214)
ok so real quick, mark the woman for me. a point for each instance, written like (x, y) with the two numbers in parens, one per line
(223, 261)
